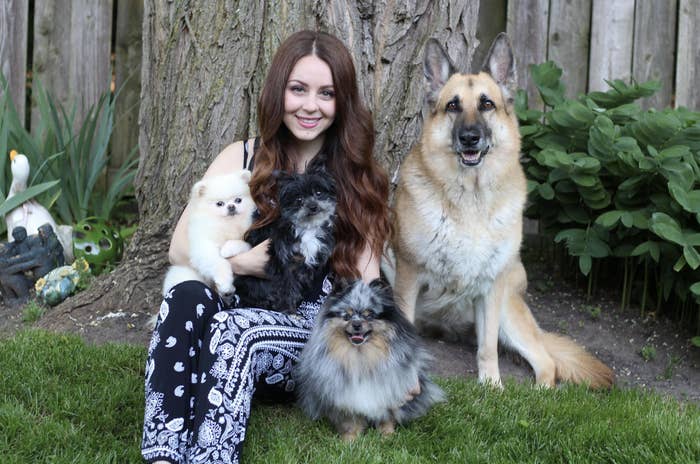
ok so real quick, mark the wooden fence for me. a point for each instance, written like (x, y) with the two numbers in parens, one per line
(78, 47)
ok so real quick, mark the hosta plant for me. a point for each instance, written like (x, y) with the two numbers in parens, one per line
(617, 185)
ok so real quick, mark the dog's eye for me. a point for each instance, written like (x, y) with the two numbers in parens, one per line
(485, 104)
(346, 316)
(368, 314)
(452, 106)
(317, 193)
(300, 200)
(219, 203)
(238, 200)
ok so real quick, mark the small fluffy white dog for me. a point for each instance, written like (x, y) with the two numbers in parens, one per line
(221, 210)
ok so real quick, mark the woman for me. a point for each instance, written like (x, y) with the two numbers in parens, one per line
(206, 360)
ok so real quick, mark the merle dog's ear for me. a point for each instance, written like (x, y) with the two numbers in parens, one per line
(500, 64)
(340, 283)
(437, 69)
(377, 284)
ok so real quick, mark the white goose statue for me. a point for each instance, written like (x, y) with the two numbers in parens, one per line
(31, 214)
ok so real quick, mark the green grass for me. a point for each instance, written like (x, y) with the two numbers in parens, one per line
(62, 401)
(32, 311)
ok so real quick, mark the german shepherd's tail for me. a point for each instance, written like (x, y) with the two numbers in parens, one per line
(575, 364)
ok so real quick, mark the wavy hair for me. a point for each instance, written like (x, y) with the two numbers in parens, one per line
(362, 185)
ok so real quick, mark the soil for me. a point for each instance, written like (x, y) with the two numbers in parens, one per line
(645, 353)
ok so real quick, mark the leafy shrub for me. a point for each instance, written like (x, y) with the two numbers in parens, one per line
(617, 185)
(74, 153)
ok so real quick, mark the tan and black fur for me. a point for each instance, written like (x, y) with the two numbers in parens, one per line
(361, 360)
(458, 223)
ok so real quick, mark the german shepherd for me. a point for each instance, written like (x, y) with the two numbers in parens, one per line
(458, 223)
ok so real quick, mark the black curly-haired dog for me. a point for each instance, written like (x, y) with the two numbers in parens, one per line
(301, 241)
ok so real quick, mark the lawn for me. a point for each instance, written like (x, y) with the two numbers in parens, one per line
(62, 401)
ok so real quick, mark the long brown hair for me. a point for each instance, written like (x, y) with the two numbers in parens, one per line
(363, 187)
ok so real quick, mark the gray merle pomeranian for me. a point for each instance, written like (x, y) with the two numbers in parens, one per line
(362, 358)
(301, 241)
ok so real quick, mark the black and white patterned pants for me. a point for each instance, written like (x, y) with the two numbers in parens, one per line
(204, 364)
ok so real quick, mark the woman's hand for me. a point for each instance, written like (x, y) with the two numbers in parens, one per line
(252, 262)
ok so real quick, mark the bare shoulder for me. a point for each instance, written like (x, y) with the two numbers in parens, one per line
(229, 160)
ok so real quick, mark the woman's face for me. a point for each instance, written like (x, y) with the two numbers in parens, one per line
(309, 99)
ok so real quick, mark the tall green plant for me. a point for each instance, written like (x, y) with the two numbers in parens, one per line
(14, 135)
(616, 183)
(85, 144)
(69, 158)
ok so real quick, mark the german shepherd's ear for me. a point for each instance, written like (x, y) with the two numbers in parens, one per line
(437, 69)
(500, 64)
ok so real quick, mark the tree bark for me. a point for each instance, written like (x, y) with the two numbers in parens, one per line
(203, 66)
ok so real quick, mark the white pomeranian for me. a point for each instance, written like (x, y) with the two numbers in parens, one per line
(221, 210)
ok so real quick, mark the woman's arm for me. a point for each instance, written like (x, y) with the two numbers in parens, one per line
(368, 264)
(249, 263)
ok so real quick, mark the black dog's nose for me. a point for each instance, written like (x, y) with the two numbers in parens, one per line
(356, 325)
(470, 136)
(312, 206)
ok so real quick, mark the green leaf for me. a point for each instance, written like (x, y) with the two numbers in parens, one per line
(690, 201)
(16, 200)
(609, 219)
(695, 340)
(627, 219)
(584, 264)
(691, 256)
(584, 180)
(667, 228)
(621, 93)
(546, 77)
(679, 265)
(649, 247)
(545, 190)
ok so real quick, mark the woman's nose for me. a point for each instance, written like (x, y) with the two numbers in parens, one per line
(310, 104)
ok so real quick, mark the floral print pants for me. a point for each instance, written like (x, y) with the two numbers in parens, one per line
(204, 364)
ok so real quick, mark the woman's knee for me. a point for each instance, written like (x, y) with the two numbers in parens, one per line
(190, 299)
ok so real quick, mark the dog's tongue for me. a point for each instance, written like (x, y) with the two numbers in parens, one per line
(357, 339)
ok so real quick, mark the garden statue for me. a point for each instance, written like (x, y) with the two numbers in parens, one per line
(31, 214)
(97, 242)
(27, 258)
(62, 282)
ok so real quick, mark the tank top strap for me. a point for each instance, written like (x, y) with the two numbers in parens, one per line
(246, 163)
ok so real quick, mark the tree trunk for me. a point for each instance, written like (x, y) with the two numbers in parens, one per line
(203, 66)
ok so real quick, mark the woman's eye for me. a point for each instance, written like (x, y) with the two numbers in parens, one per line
(328, 94)
(219, 203)
(297, 89)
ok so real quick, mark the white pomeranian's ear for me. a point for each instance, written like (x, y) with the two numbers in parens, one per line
(199, 189)
(246, 175)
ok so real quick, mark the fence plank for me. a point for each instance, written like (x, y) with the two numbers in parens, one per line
(72, 50)
(13, 50)
(569, 33)
(128, 80)
(654, 42)
(527, 26)
(688, 64)
(612, 31)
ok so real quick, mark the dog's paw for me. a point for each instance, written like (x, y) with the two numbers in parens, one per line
(233, 247)
(225, 288)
